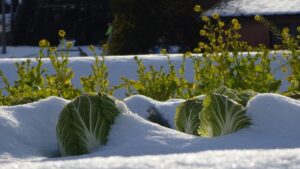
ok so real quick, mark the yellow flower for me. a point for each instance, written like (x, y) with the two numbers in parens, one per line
(220, 39)
(205, 18)
(43, 43)
(197, 50)
(69, 44)
(188, 54)
(257, 17)
(92, 48)
(215, 15)
(221, 24)
(285, 30)
(61, 33)
(237, 26)
(202, 32)
(234, 21)
(163, 51)
(53, 49)
(298, 28)
(197, 8)
(201, 45)
(105, 47)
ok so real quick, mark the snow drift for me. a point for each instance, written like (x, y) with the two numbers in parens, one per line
(28, 138)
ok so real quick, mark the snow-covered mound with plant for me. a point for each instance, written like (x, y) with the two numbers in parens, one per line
(28, 138)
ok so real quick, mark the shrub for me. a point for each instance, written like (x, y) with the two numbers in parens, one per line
(98, 81)
(60, 83)
(156, 83)
(222, 56)
(30, 85)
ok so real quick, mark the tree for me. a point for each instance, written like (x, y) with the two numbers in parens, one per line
(141, 24)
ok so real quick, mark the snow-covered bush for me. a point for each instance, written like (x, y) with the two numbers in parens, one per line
(84, 124)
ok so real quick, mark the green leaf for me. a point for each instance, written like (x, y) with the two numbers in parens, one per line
(187, 116)
(221, 116)
(84, 124)
(241, 97)
(230, 93)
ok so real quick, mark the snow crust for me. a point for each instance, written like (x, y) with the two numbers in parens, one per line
(256, 7)
(28, 138)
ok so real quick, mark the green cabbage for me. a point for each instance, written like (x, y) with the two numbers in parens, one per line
(221, 115)
(84, 124)
(187, 116)
(241, 97)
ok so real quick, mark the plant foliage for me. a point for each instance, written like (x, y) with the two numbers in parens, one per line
(221, 116)
(84, 124)
(187, 116)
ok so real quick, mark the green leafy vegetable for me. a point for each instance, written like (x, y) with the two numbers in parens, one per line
(221, 115)
(187, 116)
(84, 124)
(241, 97)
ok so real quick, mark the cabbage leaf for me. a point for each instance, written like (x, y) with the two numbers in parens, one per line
(84, 124)
(187, 116)
(221, 115)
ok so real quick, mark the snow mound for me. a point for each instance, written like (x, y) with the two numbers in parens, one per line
(29, 130)
(275, 114)
(28, 138)
(141, 105)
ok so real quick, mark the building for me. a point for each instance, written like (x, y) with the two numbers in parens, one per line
(282, 13)
(85, 21)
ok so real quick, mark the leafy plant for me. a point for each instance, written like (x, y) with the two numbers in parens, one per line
(222, 56)
(187, 116)
(30, 85)
(221, 115)
(156, 83)
(61, 82)
(292, 56)
(98, 80)
(241, 97)
(84, 124)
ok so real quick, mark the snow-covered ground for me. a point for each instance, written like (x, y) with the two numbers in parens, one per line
(32, 51)
(28, 138)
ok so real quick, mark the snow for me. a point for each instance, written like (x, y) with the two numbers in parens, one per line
(32, 51)
(28, 134)
(28, 138)
(256, 7)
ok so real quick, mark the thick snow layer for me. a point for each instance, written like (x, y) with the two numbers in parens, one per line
(230, 159)
(32, 51)
(28, 138)
(256, 7)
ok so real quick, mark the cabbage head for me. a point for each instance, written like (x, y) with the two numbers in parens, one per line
(221, 115)
(187, 116)
(241, 97)
(84, 124)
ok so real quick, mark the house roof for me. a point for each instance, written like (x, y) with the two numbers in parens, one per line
(256, 7)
